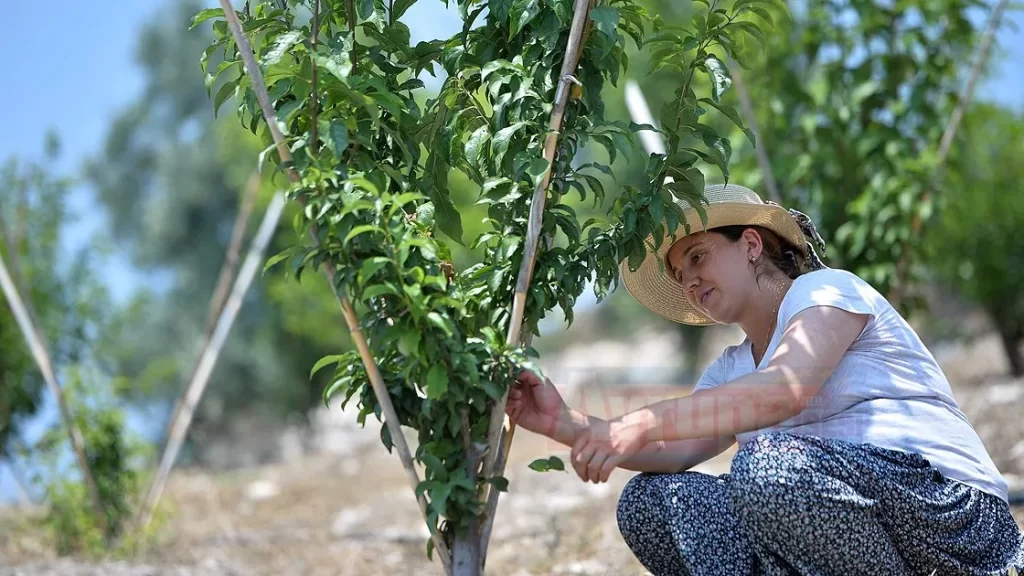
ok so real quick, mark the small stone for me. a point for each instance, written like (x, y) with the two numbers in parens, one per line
(261, 490)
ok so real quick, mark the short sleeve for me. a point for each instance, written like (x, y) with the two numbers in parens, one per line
(714, 375)
(830, 287)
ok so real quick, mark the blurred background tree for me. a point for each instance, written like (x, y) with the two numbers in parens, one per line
(64, 298)
(976, 245)
(171, 180)
(852, 98)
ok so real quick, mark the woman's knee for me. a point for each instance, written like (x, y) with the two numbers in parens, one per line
(638, 506)
(653, 503)
(765, 470)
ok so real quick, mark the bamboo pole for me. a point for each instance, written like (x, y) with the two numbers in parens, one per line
(981, 57)
(208, 359)
(221, 290)
(372, 370)
(500, 430)
(42, 358)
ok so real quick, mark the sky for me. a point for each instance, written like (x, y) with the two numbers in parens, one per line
(79, 71)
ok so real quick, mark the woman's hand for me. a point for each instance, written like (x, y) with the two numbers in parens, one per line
(605, 445)
(535, 404)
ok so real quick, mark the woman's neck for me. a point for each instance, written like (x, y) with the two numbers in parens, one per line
(763, 312)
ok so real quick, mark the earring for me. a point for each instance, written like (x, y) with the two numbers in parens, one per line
(752, 259)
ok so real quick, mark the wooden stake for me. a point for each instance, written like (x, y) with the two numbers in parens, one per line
(372, 370)
(208, 359)
(500, 431)
(42, 358)
(225, 279)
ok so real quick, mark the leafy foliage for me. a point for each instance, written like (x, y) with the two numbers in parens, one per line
(374, 182)
(114, 459)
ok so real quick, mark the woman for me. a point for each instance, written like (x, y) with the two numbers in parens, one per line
(853, 457)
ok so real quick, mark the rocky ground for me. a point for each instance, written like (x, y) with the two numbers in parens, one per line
(343, 505)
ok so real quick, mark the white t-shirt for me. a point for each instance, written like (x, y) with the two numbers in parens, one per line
(887, 390)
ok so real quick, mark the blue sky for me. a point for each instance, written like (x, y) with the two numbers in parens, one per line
(77, 69)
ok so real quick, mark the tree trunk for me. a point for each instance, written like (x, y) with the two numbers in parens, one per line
(466, 560)
(1011, 343)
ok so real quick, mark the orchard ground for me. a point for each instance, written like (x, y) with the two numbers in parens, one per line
(338, 503)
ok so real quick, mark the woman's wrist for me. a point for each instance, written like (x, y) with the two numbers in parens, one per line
(569, 426)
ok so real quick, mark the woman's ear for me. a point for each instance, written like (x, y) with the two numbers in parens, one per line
(751, 240)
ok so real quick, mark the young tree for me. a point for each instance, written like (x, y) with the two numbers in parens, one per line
(340, 85)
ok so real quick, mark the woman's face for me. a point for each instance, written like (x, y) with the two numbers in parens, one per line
(715, 272)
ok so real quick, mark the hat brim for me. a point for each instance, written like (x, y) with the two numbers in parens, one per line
(652, 286)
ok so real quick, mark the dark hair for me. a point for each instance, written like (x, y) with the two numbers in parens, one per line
(786, 257)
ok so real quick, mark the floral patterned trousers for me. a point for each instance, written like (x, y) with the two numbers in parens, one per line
(803, 505)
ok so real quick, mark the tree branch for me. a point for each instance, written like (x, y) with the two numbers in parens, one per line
(314, 103)
(372, 370)
(350, 12)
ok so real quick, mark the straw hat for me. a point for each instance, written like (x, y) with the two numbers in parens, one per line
(728, 205)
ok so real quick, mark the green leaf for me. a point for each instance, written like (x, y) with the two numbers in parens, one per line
(379, 290)
(338, 64)
(606, 20)
(499, 144)
(337, 137)
(764, 14)
(500, 483)
(719, 74)
(425, 214)
(439, 321)
(362, 230)
(499, 9)
(371, 266)
(280, 257)
(205, 15)
(547, 464)
(399, 8)
(282, 44)
(409, 342)
(522, 12)
(385, 437)
(364, 9)
(731, 113)
(437, 382)
(537, 168)
(448, 218)
(333, 389)
(752, 29)
(225, 92)
(475, 146)
(494, 182)
(325, 361)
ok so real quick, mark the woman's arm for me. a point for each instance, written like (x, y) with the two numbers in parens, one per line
(661, 457)
(812, 345)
